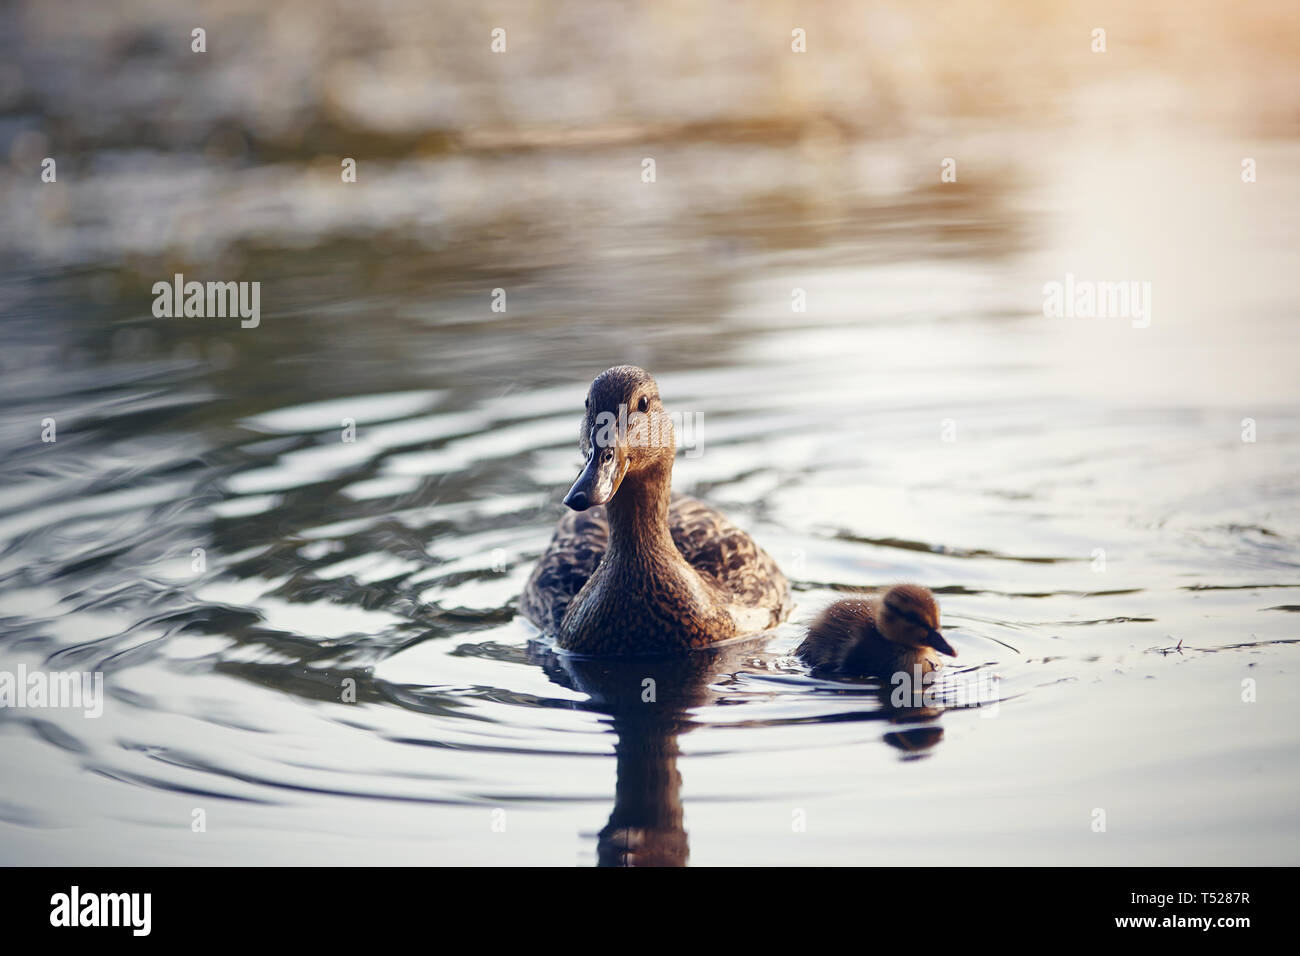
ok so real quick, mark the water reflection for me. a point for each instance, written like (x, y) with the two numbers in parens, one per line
(651, 703)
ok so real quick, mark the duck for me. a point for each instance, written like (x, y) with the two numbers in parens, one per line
(634, 568)
(877, 636)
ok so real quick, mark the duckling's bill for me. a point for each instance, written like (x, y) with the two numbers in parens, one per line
(939, 643)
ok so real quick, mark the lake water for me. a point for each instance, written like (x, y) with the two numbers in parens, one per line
(1113, 544)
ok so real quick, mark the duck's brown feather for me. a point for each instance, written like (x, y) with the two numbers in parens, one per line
(724, 555)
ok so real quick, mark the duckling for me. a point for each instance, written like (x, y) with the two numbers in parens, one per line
(877, 636)
(635, 569)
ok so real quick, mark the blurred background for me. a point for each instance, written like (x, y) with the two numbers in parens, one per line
(922, 419)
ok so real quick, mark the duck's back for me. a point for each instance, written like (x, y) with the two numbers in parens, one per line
(729, 558)
(721, 553)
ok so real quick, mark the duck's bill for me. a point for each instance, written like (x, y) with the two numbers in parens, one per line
(597, 483)
(936, 640)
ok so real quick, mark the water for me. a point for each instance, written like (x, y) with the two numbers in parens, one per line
(1114, 562)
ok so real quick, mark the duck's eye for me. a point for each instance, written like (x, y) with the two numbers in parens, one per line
(642, 405)
(608, 455)
(586, 403)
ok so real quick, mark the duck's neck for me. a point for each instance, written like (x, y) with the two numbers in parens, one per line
(638, 518)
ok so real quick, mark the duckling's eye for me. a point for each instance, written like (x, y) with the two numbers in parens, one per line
(643, 404)
(608, 455)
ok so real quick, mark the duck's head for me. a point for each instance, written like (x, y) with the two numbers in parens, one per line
(625, 431)
(909, 615)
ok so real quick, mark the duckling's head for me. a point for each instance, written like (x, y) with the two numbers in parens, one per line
(909, 615)
(625, 431)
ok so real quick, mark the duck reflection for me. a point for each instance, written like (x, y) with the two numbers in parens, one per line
(650, 701)
(908, 699)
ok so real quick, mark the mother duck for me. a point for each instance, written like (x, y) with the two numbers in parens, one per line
(635, 569)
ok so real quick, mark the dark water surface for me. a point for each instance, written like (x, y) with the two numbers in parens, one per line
(1113, 561)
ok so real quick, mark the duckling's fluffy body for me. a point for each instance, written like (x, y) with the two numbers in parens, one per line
(635, 569)
(848, 638)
